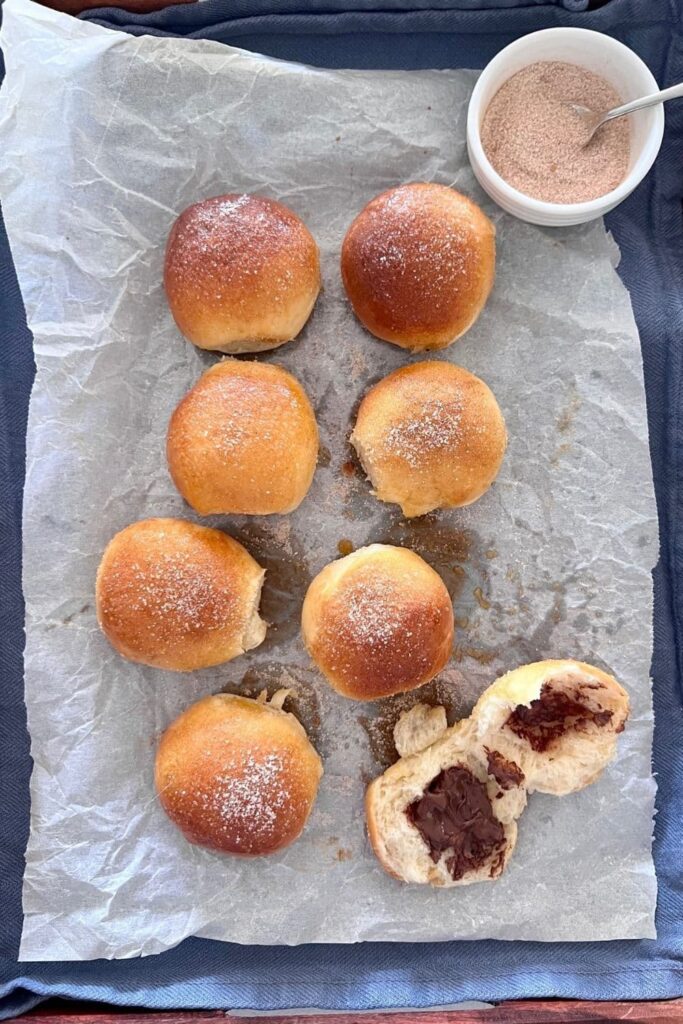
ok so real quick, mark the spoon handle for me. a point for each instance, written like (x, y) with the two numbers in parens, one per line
(645, 101)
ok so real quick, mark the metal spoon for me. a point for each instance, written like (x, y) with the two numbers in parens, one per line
(593, 120)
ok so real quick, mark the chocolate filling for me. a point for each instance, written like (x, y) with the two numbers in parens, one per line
(554, 714)
(455, 814)
(506, 773)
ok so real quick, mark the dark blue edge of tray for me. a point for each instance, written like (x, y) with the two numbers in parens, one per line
(201, 973)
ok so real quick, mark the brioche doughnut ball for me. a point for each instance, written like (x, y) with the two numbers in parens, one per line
(242, 273)
(243, 440)
(378, 622)
(559, 720)
(418, 265)
(237, 775)
(430, 435)
(178, 596)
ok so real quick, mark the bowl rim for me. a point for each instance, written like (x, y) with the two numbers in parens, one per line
(591, 207)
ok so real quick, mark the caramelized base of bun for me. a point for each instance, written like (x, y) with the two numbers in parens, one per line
(429, 436)
(378, 622)
(237, 776)
(243, 440)
(242, 273)
(418, 265)
(178, 596)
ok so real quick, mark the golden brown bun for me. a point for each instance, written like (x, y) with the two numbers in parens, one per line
(378, 622)
(243, 440)
(418, 265)
(237, 775)
(178, 596)
(429, 436)
(242, 273)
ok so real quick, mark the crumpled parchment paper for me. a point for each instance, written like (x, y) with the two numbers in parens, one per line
(104, 139)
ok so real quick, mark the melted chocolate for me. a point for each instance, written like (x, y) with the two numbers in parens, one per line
(455, 814)
(554, 714)
(506, 773)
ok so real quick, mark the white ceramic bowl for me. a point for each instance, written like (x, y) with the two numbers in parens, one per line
(599, 53)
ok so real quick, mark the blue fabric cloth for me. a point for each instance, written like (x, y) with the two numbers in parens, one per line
(649, 229)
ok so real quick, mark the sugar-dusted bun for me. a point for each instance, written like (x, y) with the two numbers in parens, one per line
(243, 440)
(242, 273)
(237, 775)
(378, 622)
(430, 435)
(178, 596)
(558, 719)
(418, 265)
(440, 817)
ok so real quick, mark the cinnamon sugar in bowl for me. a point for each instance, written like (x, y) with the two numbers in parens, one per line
(516, 132)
